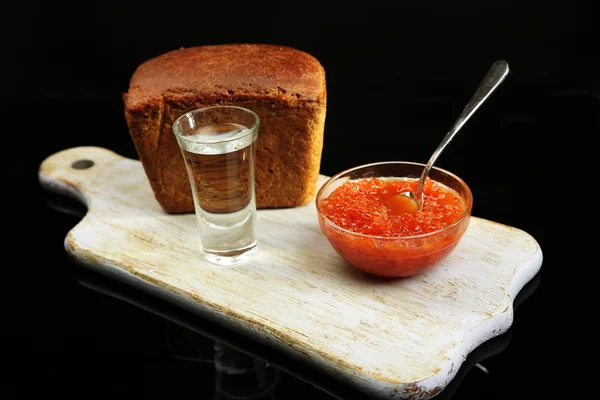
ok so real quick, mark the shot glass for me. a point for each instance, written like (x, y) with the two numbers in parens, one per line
(217, 144)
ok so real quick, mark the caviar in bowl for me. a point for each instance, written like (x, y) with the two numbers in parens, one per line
(356, 214)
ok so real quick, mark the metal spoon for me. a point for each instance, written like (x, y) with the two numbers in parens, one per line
(412, 202)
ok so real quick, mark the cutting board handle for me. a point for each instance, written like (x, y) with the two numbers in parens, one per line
(94, 175)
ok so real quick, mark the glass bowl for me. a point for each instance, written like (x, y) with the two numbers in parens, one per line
(394, 256)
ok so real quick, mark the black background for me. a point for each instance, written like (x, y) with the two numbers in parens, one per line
(398, 75)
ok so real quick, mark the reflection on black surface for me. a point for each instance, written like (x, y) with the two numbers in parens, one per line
(65, 204)
(242, 368)
(240, 376)
(236, 374)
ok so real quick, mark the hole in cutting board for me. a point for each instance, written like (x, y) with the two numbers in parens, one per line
(82, 164)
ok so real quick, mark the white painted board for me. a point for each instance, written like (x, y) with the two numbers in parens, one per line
(389, 338)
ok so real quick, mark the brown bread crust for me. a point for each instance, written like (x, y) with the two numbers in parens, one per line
(284, 86)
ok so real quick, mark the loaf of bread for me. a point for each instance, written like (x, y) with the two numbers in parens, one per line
(284, 86)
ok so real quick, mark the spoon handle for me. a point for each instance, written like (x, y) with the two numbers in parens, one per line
(490, 82)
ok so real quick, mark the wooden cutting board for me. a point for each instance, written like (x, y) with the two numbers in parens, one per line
(388, 338)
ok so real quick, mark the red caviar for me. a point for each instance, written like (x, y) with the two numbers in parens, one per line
(365, 207)
(362, 207)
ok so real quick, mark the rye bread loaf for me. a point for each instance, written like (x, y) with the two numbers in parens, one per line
(284, 86)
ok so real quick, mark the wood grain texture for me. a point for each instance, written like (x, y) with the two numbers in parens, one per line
(390, 338)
